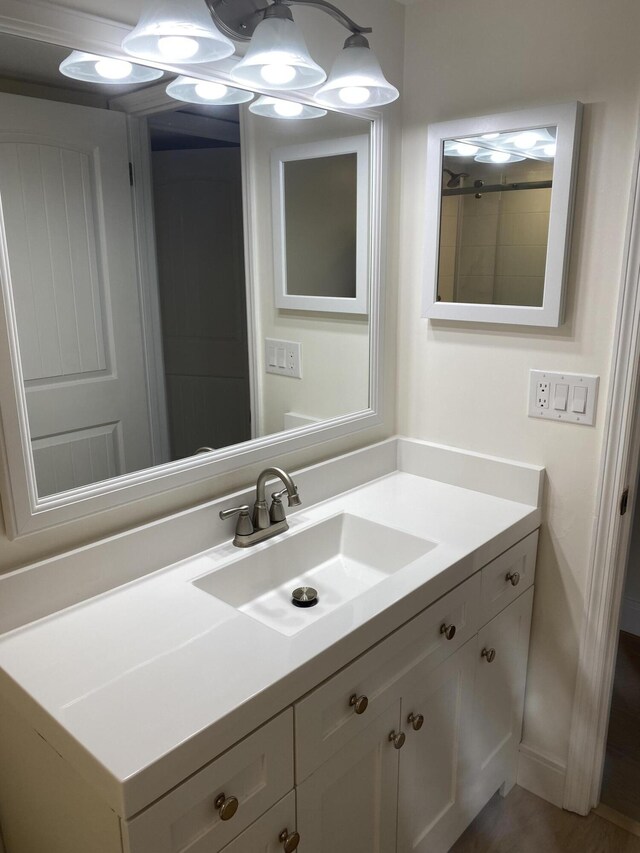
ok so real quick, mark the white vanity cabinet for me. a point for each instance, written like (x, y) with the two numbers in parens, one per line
(404, 746)
(395, 753)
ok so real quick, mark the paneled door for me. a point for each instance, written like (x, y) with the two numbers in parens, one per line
(199, 234)
(68, 223)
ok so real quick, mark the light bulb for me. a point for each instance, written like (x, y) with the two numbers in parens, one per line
(277, 75)
(210, 91)
(114, 69)
(177, 47)
(500, 157)
(355, 95)
(490, 135)
(525, 140)
(287, 109)
(550, 150)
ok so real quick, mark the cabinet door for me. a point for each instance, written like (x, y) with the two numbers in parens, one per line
(435, 761)
(264, 836)
(501, 671)
(350, 802)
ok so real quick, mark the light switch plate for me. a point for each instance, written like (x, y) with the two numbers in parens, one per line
(568, 397)
(284, 358)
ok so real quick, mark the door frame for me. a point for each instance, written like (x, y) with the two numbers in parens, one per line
(619, 468)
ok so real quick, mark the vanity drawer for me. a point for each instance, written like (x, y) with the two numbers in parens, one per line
(263, 836)
(327, 718)
(258, 772)
(508, 576)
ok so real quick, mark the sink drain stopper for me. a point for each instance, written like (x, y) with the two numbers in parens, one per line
(304, 596)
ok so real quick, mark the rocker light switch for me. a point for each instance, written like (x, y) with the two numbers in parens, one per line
(579, 401)
(560, 398)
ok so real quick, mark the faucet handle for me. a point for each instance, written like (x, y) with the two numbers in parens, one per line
(276, 512)
(244, 526)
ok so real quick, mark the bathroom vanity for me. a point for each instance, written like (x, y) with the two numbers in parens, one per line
(194, 709)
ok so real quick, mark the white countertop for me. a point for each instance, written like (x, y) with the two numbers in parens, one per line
(139, 687)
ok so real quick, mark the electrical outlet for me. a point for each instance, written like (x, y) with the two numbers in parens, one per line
(542, 396)
(284, 358)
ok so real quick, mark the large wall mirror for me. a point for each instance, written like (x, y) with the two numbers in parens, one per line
(500, 195)
(138, 268)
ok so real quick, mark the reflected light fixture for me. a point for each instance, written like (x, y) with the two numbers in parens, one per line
(194, 91)
(177, 31)
(103, 69)
(270, 107)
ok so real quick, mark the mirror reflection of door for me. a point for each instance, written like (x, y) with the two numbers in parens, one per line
(64, 184)
(197, 184)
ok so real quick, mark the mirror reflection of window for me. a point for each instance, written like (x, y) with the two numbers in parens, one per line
(495, 207)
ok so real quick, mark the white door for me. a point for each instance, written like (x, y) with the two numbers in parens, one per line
(349, 804)
(199, 234)
(66, 203)
(437, 715)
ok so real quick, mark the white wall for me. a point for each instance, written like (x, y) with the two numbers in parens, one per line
(324, 38)
(466, 384)
(335, 348)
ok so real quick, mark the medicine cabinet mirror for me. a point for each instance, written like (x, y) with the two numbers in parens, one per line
(137, 260)
(500, 195)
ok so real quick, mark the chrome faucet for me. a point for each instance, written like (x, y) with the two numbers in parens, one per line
(265, 521)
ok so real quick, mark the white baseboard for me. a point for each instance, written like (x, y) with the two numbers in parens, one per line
(630, 617)
(542, 775)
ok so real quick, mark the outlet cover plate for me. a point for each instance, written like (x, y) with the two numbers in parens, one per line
(284, 358)
(565, 391)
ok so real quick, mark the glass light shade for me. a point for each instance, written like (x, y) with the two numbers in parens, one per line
(459, 149)
(103, 69)
(356, 81)
(180, 31)
(270, 107)
(194, 91)
(278, 59)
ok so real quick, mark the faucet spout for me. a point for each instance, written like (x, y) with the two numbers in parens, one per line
(261, 520)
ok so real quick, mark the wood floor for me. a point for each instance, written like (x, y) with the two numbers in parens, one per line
(523, 823)
(621, 780)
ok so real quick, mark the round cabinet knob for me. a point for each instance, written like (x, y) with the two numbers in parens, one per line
(359, 703)
(448, 630)
(397, 739)
(227, 806)
(289, 840)
(489, 654)
(513, 578)
(416, 721)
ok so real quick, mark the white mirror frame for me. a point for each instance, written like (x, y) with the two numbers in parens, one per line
(567, 118)
(24, 511)
(358, 145)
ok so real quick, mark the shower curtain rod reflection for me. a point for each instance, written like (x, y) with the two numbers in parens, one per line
(498, 188)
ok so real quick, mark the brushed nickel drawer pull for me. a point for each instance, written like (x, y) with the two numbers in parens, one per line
(359, 703)
(227, 806)
(289, 840)
(397, 739)
(416, 721)
(449, 631)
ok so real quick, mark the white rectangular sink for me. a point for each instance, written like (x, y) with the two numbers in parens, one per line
(341, 557)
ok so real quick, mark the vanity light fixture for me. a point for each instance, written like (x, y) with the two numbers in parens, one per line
(103, 69)
(270, 107)
(499, 157)
(180, 31)
(460, 149)
(194, 91)
(278, 59)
